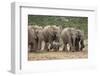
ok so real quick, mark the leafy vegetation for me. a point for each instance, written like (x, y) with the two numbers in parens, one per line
(64, 21)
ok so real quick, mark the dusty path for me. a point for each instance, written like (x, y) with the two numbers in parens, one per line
(57, 55)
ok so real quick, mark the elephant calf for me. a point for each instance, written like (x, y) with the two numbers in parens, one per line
(55, 46)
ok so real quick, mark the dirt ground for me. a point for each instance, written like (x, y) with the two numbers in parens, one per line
(57, 55)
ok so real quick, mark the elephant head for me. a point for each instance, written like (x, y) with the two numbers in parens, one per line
(57, 33)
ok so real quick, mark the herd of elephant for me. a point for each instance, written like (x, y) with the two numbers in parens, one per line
(54, 38)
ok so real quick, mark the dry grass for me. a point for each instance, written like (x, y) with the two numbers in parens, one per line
(57, 55)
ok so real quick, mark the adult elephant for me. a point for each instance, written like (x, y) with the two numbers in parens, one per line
(73, 38)
(35, 37)
(32, 38)
(39, 34)
(66, 37)
(77, 38)
(50, 34)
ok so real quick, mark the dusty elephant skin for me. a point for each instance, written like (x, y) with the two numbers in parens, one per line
(53, 42)
(34, 38)
(50, 34)
(73, 37)
(55, 37)
(79, 41)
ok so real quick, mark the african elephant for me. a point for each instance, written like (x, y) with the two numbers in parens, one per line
(50, 34)
(73, 38)
(79, 43)
(66, 38)
(35, 37)
(32, 38)
(40, 37)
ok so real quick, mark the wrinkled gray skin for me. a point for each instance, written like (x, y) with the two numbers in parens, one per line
(50, 34)
(79, 42)
(32, 39)
(55, 46)
(66, 38)
(74, 38)
(40, 37)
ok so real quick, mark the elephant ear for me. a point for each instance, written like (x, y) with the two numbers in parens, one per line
(34, 34)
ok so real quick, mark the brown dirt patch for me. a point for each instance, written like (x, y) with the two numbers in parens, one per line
(57, 55)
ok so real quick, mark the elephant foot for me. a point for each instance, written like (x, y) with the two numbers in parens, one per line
(48, 50)
(72, 50)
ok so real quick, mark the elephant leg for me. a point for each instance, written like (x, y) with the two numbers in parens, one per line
(57, 48)
(61, 47)
(68, 47)
(73, 45)
(77, 45)
(35, 46)
(82, 44)
(50, 46)
(46, 46)
(65, 47)
(42, 45)
(31, 47)
(39, 45)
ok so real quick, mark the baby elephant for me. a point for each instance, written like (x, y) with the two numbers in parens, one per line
(55, 46)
